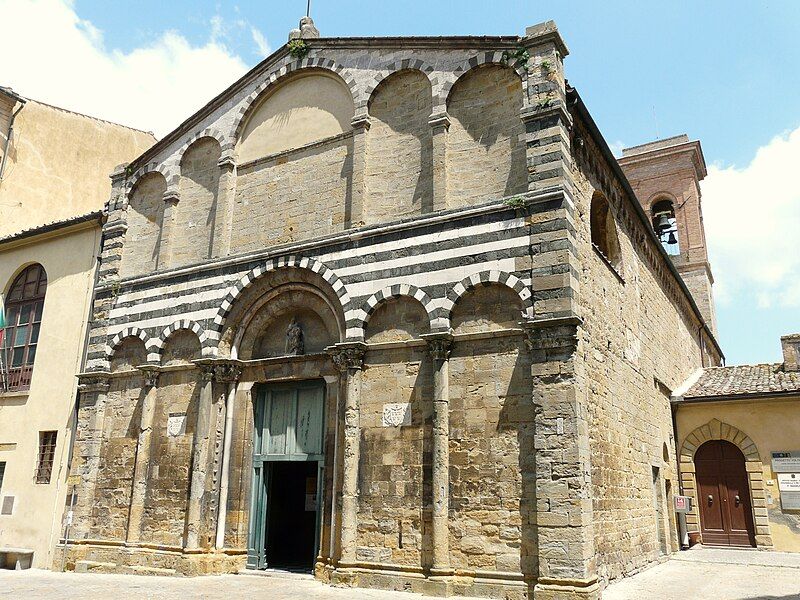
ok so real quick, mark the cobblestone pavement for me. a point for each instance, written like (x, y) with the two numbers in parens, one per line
(715, 574)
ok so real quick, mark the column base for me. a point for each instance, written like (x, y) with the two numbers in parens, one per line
(566, 589)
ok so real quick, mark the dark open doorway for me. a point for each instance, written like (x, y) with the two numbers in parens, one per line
(292, 515)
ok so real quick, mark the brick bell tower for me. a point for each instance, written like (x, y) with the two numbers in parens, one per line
(666, 175)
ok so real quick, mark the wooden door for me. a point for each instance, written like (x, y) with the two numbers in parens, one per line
(726, 516)
(288, 423)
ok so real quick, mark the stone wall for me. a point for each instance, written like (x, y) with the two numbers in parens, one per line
(196, 211)
(293, 196)
(635, 346)
(145, 215)
(399, 178)
(485, 143)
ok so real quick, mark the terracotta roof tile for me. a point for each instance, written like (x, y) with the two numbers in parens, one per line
(744, 380)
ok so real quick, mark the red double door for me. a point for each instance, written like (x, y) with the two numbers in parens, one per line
(726, 517)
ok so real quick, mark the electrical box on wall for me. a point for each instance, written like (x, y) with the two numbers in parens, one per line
(683, 504)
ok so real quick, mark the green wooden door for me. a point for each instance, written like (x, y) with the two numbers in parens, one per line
(288, 426)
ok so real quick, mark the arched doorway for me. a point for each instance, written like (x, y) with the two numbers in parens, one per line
(726, 515)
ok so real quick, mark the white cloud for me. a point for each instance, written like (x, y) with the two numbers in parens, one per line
(52, 55)
(752, 220)
(261, 42)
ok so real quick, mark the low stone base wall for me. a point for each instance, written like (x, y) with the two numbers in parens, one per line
(105, 558)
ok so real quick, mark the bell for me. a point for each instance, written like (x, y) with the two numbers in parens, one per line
(662, 222)
(672, 239)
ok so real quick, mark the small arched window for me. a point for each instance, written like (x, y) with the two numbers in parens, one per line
(23, 318)
(666, 226)
(604, 230)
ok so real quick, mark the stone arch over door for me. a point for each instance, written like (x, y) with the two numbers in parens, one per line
(717, 430)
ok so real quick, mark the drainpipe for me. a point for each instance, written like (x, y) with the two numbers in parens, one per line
(10, 134)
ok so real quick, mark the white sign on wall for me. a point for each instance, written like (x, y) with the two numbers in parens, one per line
(396, 415)
(789, 482)
(786, 461)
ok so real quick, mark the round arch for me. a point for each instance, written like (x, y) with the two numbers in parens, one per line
(488, 58)
(387, 293)
(387, 71)
(275, 78)
(486, 278)
(206, 347)
(717, 430)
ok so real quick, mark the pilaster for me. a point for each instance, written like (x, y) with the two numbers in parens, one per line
(226, 194)
(171, 198)
(93, 390)
(358, 186)
(349, 359)
(228, 373)
(564, 526)
(440, 125)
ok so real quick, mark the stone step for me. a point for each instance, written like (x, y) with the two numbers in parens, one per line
(93, 566)
(278, 573)
(138, 570)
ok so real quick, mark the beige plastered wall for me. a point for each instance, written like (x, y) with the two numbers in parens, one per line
(69, 258)
(772, 426)
(58, 165)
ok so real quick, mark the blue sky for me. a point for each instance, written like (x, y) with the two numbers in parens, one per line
(726, 73)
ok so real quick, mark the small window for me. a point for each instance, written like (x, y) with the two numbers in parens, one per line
(604, 230)
(2, 472)
(24, 307)
(47, 453)
(666, 226)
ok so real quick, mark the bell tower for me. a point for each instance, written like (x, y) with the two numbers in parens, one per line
(666, 176)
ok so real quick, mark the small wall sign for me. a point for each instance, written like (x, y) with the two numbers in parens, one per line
(683, 504)
(786, 461)
(789, 487)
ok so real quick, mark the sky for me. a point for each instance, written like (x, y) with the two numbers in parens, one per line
(724, 72)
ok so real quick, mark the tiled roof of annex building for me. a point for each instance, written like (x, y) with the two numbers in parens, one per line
(717, 383)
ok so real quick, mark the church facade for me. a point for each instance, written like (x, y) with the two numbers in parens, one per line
(387, 309)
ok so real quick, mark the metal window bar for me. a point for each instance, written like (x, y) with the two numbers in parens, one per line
(47, 453)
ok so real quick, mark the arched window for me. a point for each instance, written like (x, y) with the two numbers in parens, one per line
(604, 230)
(665, 226)
(24, 306)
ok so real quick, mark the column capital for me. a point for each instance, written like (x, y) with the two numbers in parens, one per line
(227, 371)
(347, 356)
(171, 197)
(151, 373)
(439, 120)
(440, 344)
(360, 121)
(93, 382)
(227, 160)
(557, 332)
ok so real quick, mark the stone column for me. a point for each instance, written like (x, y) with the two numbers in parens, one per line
(93, 388)
(141, 466)
(226, 193)
(358, 187)
(440, 125)
(171, 198)
(228, 373)
(439, 345)
(563, 518)
(200, 454)
(349, 358)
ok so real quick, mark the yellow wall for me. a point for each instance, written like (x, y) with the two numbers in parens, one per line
(59, 164)
(774, 426)
(69, 258)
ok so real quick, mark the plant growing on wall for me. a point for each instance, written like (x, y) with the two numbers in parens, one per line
(298, 48)
(519, 56)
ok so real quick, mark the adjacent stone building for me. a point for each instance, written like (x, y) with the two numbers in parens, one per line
(386, 308)
(52, 192)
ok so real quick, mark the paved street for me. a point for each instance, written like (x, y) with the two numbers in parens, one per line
(718, 574)
(699, 574)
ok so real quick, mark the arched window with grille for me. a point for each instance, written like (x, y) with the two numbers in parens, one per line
(665, 225)
(24, 305)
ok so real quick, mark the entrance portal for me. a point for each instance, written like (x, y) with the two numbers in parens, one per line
(287, 476)
(726, 517)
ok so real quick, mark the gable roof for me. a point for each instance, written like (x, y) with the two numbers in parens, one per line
(743, 381)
